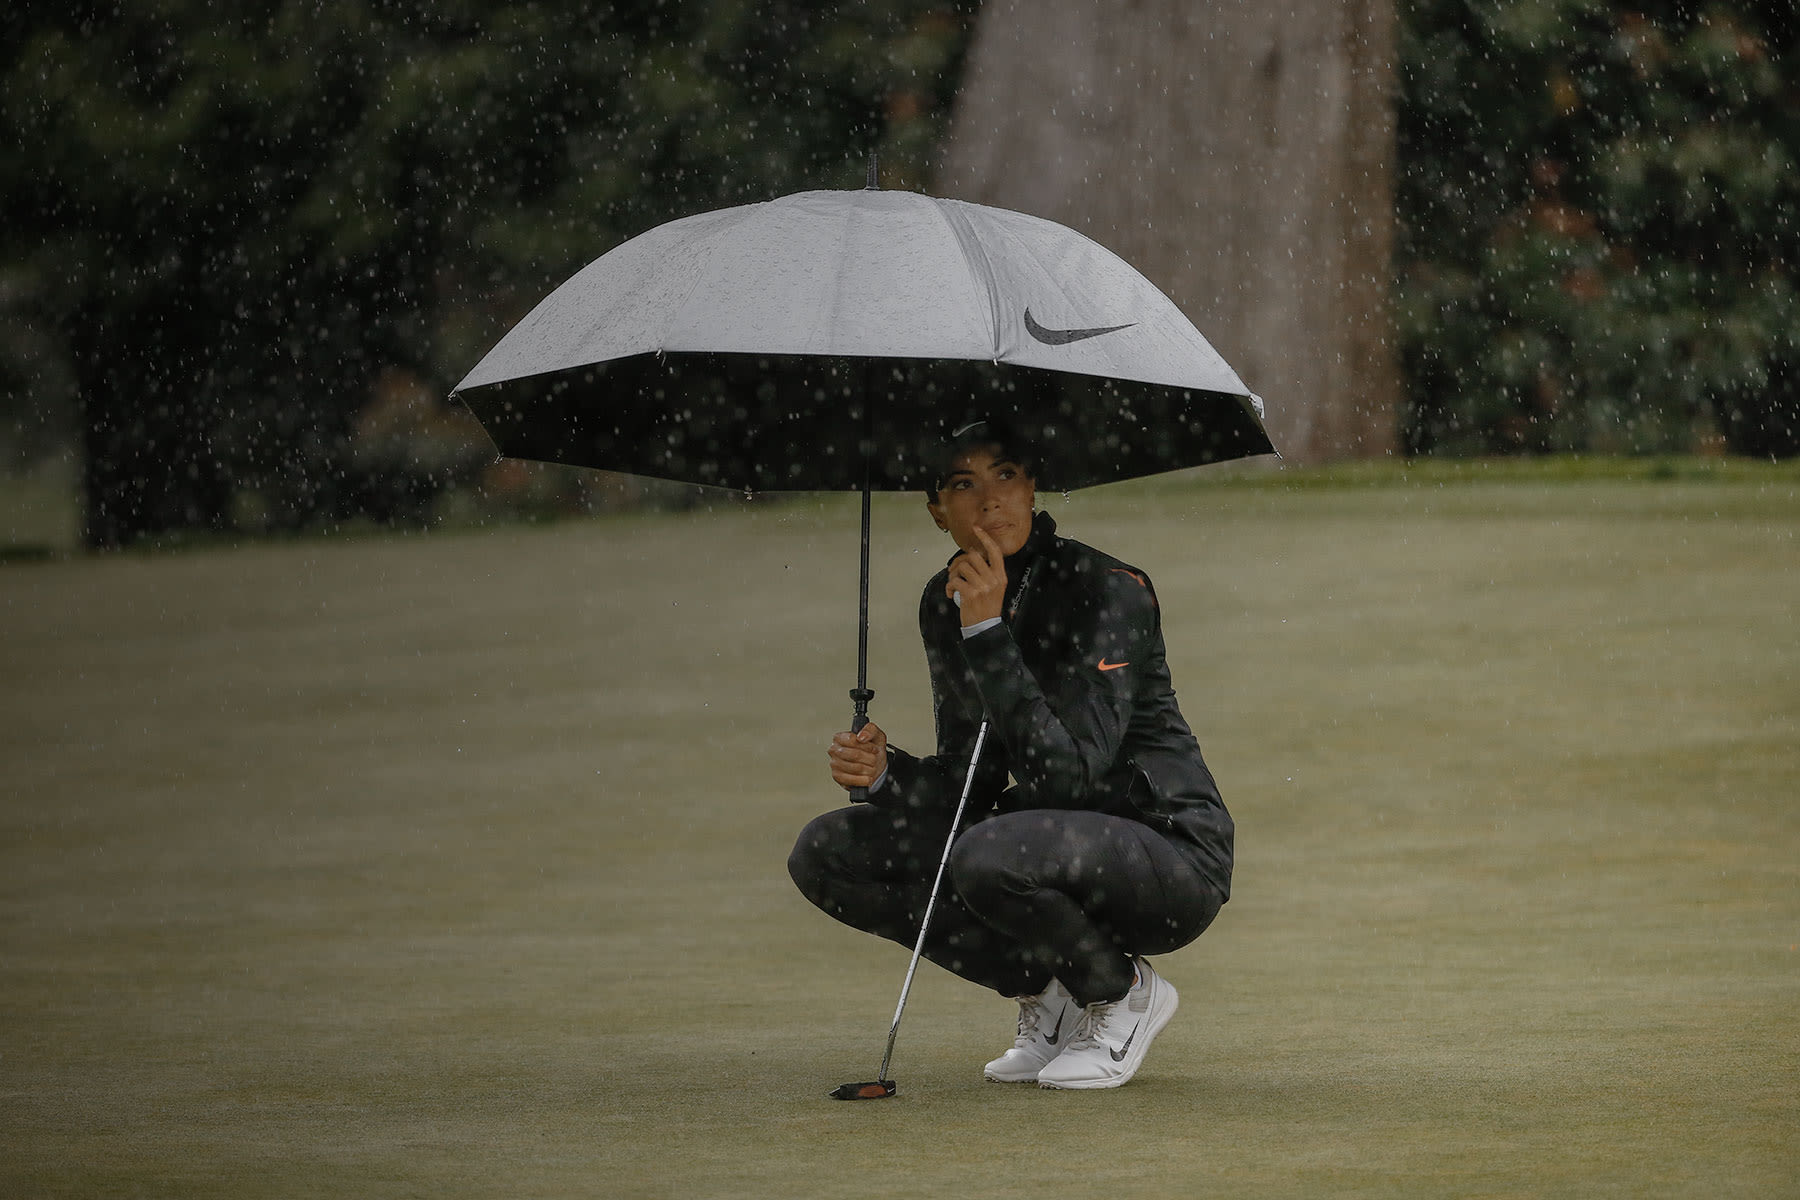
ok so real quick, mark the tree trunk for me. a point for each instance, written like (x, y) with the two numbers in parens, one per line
(1237, 152)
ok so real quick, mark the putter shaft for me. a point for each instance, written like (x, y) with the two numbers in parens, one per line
(931, 903)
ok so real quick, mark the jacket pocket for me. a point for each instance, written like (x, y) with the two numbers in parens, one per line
(1146, 805)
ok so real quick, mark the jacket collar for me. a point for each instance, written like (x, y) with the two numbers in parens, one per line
(1043, 534)
(1019, 566)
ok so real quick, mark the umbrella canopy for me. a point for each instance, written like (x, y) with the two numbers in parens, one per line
(828, 340)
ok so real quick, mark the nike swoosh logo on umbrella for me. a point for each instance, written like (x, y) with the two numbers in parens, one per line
(1062, 337)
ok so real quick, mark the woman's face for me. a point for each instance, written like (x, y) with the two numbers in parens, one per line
(984, 492)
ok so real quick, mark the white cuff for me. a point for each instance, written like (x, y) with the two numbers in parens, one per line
(970, 631)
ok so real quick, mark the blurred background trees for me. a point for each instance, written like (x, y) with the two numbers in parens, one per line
(251, 248)
(1599, 216)
(247, 256)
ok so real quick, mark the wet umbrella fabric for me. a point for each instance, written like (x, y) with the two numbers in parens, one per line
(828, 340)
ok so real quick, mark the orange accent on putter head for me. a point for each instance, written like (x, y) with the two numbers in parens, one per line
(878, 1090)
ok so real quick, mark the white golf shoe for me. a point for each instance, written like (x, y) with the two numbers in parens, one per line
(1045, 1022)
(1109, 1041)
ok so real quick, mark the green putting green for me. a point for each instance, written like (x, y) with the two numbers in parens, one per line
(453, 865)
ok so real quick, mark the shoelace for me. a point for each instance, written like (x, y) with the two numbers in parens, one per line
(1031, 1014)
(1086, 1034)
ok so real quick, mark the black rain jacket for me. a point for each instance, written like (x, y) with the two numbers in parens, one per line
(1083, 711)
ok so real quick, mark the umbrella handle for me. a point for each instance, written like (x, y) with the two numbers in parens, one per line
(860, 696)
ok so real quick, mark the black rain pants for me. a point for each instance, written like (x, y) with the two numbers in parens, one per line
(1028, 896)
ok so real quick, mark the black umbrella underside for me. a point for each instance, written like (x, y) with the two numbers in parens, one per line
(765, 423)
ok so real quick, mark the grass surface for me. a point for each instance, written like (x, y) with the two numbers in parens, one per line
(454, 865)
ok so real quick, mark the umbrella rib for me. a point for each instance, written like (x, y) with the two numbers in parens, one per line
(975, 254)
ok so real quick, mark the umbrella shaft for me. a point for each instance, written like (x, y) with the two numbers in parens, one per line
(862, 606)
(860, 695)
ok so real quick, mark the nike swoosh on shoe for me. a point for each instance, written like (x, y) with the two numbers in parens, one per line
(1119, 1054)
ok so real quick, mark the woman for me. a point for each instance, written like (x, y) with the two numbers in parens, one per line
(1111, 843)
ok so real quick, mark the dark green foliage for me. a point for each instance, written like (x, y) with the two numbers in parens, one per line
(232, 236)
(1599, 211)
(238, 245)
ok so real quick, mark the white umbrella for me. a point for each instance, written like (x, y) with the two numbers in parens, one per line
(825, 340)
(828, 341)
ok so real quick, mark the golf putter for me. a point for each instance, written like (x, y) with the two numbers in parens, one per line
(881, 1087)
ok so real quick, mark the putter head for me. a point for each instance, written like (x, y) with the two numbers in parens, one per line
(879, 1089)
